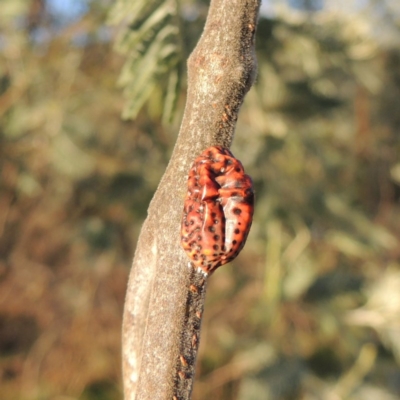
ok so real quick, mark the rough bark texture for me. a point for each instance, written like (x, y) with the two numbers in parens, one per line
(165, 298)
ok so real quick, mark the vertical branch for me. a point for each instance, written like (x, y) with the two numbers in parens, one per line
(165, 298)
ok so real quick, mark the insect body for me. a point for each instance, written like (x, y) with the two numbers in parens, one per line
(218, 209)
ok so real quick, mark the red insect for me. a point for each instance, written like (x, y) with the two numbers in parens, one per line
(218, 209)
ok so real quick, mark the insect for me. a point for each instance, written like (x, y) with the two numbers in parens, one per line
(218, 209)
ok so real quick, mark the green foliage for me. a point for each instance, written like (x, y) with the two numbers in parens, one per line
(151, 40)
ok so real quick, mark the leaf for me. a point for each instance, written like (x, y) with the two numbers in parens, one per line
(151, 39)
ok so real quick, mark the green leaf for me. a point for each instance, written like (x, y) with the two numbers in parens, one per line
(151, 39)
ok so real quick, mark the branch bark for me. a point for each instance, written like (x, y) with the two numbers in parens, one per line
(165, 298)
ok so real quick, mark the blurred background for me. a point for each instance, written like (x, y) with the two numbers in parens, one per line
(311, 307)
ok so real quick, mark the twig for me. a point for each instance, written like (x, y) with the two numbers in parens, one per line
(165, 298)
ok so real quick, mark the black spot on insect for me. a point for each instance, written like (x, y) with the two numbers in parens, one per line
(215, 221)
(196, 257)
(191, 222)
(216, 237)
(199, 238)
(237, 231)
(213, 215)
(234, 194)
(234, 242)
(237, 169)
(237, 211)
(211, 229)
(215, 247)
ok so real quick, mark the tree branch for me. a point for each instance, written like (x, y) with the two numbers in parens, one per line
(165, 298)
